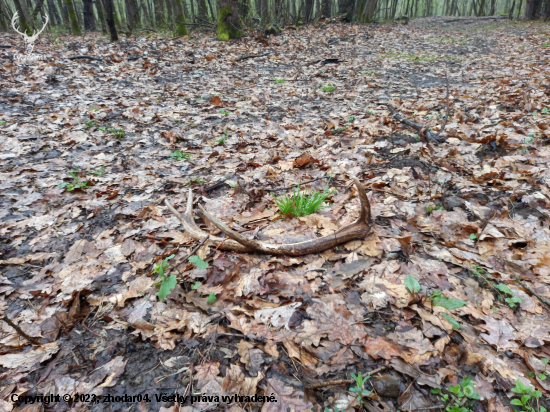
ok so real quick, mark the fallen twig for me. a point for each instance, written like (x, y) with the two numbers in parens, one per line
(91, 331)
(417, 126)
(343, 381)
(195, 24)
(20, 331)
(85, 57)
(5, 46)
(252, 56)
(533, 292)
(475, 18)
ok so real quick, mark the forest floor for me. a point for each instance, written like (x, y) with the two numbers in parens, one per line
(462, 224)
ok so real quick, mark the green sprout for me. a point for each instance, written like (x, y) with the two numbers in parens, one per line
(118, 133)
(527, 396)
(196, 180)
(328, 88)
(279, 80)
(359, 387)
(98, 172)
(178, 155)
(302, 203)
(89, 123)
(77, 184)
(167, 283)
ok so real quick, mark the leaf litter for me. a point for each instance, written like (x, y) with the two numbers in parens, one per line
(451, 288)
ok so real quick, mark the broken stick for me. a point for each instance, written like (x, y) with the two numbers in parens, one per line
(416, 126)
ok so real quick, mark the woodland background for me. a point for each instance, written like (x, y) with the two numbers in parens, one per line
(230, 17)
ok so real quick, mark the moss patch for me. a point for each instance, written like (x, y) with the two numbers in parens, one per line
(226, 30)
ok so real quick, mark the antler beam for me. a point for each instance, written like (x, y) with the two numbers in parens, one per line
(237, 242)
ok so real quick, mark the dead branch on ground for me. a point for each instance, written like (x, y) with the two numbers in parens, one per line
(416, 126)
(252, 56)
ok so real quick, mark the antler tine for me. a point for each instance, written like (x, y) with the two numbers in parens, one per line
(15, 17)
(43, 27)
(358, 229)
(191, 228)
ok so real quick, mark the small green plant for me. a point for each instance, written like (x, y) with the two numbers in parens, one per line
(531, 139)
(179, 155)
(462, 391)
(473, 236)
(351, 119)
(302, 203)
(371, 112)
(97, 172)
(279, 80)
(328, 88)
(416, 137)
(198, 262)
(225, 112)
(117, 133)
(221, 140)
(211, 298)
(527, 396)
(412, 284)
(196, 285)
(544, 110)
(339, 130)
(89, 123)
(102, 128)
(95, 109)
(197, 180)
(512, 300)
(77, 184)
(167, 283)
(447, 303)
(2, 123)
(359, 387)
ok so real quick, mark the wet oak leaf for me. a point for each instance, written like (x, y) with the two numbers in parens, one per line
(288, 398)
(331, 320)
(206, 372)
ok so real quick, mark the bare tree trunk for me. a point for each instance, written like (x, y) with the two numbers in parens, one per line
(73, 18)
(229, 26)
(327, 8)
(132, 14)
(159, 12)
(546, 10)
(53, 13)
(101, 17)
(181, 28)
(109, 14)
(308, 11)
(39, 8)
(89, 17)
(5, 15)
(532, 9)
(25, 22)
(345, 7)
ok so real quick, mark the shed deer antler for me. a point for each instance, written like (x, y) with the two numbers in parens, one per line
(237, 242)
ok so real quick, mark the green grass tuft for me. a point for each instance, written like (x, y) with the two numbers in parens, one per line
(302, 203)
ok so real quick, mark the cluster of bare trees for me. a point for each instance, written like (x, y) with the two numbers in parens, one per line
(231, 17)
